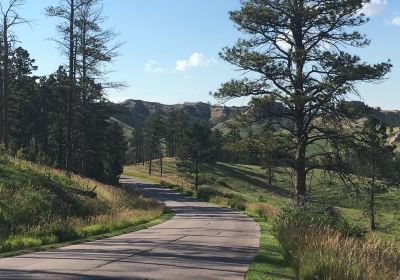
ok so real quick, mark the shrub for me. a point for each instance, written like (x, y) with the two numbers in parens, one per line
(321, 245)
(206, 192)
(238, 203)
(316, 215)
(264, 210)
(323, 253)
(222, 182)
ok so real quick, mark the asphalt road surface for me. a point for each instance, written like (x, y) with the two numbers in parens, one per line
(200, 242)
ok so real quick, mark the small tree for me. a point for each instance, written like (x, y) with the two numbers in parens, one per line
(137, 143)
(153, 135)
(374, 165)
(176, 123)
(196, 148)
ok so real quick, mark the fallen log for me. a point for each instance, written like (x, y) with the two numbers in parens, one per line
(62, 193)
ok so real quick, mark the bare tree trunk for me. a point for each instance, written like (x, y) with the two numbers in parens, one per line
(161, 165)
(196, 171)
(372, 206)
(270, 176)
(84, 101)
(5, 82)
(71, 95)
(150, 166)
(150, 163)
(1, 109)
(301, 176)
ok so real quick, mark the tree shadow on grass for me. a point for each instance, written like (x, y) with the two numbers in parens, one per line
(248, 176)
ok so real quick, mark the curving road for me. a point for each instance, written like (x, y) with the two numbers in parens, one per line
(200, 242)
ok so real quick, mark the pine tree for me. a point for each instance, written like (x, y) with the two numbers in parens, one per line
(300, 70)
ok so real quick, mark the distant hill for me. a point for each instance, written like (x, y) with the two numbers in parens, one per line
(134, 113)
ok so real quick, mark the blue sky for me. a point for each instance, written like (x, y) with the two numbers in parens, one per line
(171, 47)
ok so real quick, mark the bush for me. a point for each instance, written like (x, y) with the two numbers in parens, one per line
(323, 253)
(238, 203)
(206, 192)
(320, 244)
(222, 183)
(315, 215)
(264, 210)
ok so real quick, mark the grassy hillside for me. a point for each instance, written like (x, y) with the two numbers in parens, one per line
(312, 252)
(239, 187)
(41, 206)
(250, 183)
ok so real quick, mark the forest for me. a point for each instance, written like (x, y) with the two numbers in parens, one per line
(62, 120)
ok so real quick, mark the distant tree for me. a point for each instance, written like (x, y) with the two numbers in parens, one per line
(176, 123)
(95, 47)
(66, 10)
(375, 165)
(23, 108)
(10, 18)
(138, 145)
(54, 95)
(112, 155)
(216, 142)
(196, 148)
(300, 72)
(153, 135)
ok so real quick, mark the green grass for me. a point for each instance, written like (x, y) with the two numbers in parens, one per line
(37, 212)
(226, 182)
(250, 182)
(269, 263)
(230, 186)
(143, 224)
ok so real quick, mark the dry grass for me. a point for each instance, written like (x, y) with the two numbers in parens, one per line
(323, 253)
(263, 209)
(32, 215)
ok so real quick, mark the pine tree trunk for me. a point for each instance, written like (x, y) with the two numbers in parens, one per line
(197, 171)
(161, 166)
(84, 104)
(150, 163)
(5, 83)
(1, 108)
(372, 206)
(270, 176)
(69, 161)
(301, 178)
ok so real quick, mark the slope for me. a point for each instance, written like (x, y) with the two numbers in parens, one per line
(41, 206)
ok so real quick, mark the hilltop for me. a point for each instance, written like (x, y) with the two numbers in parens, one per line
(134, 113)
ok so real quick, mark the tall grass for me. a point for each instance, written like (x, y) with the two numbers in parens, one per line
(324, 253)
(32, 215)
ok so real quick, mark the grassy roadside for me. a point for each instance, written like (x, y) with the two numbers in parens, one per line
(43, 208)
(250, 182)
(244, 188)
(269, 264)
(144, 224)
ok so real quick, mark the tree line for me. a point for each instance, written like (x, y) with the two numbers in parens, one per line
(63, 119)
(177, 135)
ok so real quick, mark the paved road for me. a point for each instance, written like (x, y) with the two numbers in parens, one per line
(200, 242)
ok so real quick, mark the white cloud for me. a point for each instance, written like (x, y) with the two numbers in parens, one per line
(374, 8)
(283, 41)
(195, 60)
(152, 66)
(395, 20)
